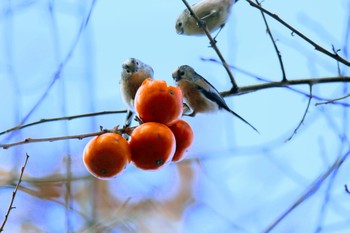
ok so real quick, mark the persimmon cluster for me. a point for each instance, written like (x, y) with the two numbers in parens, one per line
(161, 138)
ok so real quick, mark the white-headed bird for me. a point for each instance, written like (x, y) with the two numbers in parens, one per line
(214, 13)
(199, 94)
(134, 72)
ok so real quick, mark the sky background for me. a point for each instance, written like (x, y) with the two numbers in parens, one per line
(60, 58)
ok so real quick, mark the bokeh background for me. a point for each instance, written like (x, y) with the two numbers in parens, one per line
(60, 58)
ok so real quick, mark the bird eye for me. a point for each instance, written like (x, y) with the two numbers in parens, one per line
(182, 73)
(179, 24)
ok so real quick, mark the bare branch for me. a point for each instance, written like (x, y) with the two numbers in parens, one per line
(284, 78)
(51, 139)
(311, 81)
(213, 45)
(124, 130)
(309, 191)
(346, 189)
(295, 31)
(333, 100)
(14, 194)
(62, 118)
(303, 118)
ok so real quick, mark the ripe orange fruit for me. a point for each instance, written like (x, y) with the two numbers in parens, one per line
(152, 145)
(106, 155)
(184, 137)
(157, 102)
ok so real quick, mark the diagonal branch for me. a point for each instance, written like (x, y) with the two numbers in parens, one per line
(213, 45)
(312, 189)
(303, 118)
(62, 118)
(284, 78)
(14, 195)
(295, 31)
(346, 189)
(333, 100)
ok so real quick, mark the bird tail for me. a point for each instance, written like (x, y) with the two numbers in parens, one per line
(242, 119)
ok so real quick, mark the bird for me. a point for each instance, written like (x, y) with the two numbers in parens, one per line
(214, 13)
(133, 73)
(199, 94)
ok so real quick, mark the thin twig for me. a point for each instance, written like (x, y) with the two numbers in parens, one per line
(346, 189)
(309, 191)
(335, 51)
(124, 130)
(303, 118)
(327, 196)
(295, 31)
(14, 194)
(51, 139)
(333, 100)
(284, 78)
(63, 118)
(213, 45)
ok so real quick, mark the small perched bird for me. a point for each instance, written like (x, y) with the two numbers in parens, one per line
(199, 94)
(134, 72)
(214, 13)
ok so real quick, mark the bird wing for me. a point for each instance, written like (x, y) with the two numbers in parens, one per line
(210, 92)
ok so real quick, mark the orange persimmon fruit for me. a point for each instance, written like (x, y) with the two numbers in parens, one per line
(184, 137)
(152, 145)
(106, 155)
(157, 102)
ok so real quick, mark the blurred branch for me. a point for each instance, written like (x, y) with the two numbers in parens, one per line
(284, 78)
(333, 100)
(346, 189)
(14, 194)
(202, 25)
(325, 203)
(295, 31)
(62, 118)
(303, 118)
(310, 190)
(57, 74)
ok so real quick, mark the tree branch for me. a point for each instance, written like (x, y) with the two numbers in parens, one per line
(213, 45)
(124, 130)
(333, 100)
(303, 118)
(346, 189)
(284, 78)
(309, 191)
(311, 81)
(295, 31)
(62, 118)
(14, 194)
(51, 139)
